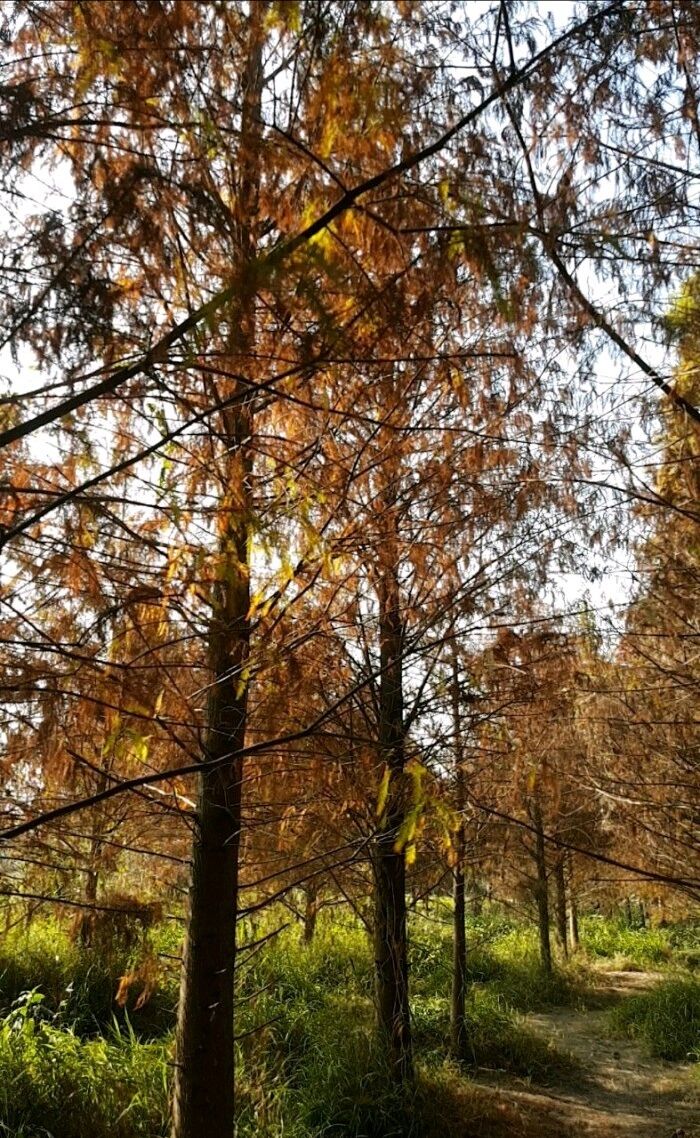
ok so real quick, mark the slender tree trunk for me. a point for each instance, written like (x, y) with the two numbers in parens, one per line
(458, 1016)
(94, 858)
(573, 923)
(92, 878)
(203, 1096)
(310, 912)
(541, 890)
(573, 909)
(476, 898)
(560, 904)
(389, 864)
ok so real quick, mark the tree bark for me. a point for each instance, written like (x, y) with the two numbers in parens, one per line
(203, 1094)
(458, 1017)
(388, 861)
(560, 904)
(541, 890)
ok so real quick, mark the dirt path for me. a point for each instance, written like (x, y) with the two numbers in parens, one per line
(622, 1094)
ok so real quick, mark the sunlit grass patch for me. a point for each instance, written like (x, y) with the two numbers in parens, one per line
(666, 1019)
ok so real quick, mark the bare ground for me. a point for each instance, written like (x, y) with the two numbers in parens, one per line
(621, 1092)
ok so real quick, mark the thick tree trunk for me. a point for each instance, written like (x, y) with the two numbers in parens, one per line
(541, 891)
(458, 1016)
(203, 1103)
(560, 904)
(388, 861)
(203, 1095)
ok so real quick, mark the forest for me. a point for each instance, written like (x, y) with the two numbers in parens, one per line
(349, 568)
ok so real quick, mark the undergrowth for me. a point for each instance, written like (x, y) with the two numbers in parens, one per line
(79, 984)
(72, 1062)
(666, 1020)
(612, 941)
(53, 1082)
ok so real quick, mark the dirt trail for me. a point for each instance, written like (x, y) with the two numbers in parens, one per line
(621, 1094)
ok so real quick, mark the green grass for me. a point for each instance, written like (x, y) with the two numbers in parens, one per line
(610, 940)
(500, 956)
(79, 984)
(497, 1036)
(521, 981)
(666, 1020)
(53, 1082)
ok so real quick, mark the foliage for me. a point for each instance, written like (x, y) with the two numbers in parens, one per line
(347, 316)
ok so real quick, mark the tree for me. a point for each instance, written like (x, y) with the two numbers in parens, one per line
(216, 300)
(643, 752)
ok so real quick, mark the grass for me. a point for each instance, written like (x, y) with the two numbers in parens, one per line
(79, 984)
(501, 956)
(612, 942)
(53, 1082)
(71, 1061)
(666, 1020)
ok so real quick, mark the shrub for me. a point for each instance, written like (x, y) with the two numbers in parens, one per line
(685, 934)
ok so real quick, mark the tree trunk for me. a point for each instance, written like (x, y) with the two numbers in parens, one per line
(203, 1101)
(476, 898)
(560, 904)
(203, 1095)
(573, 923)
(573, 908)
(458, 1017)
(204, 1075)
(388, 861)
(541, 890)
(310, 912)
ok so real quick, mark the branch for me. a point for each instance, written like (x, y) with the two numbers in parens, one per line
(270, 262)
